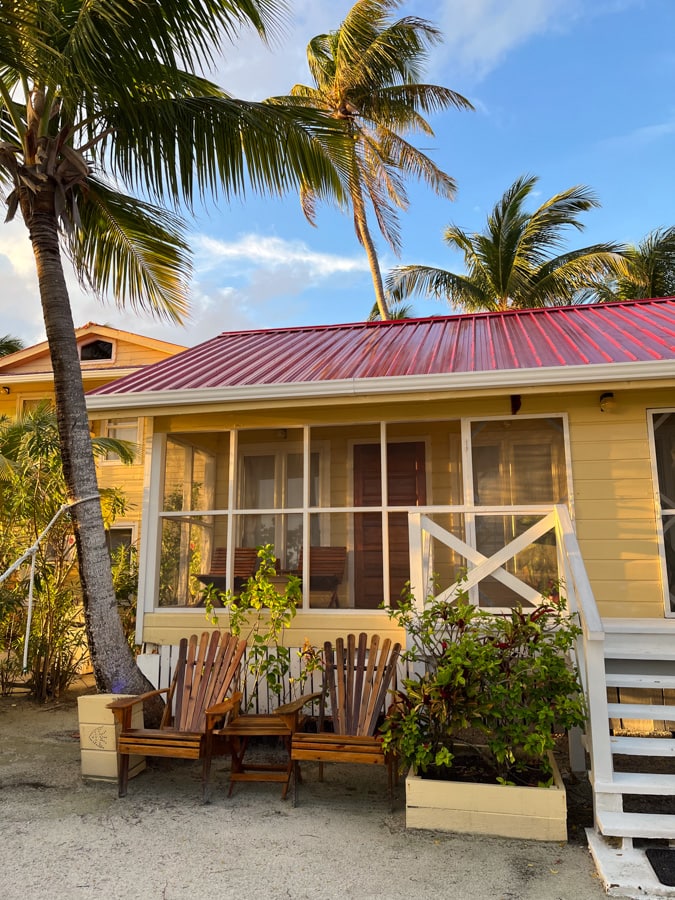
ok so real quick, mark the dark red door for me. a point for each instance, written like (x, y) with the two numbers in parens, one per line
(406, 486)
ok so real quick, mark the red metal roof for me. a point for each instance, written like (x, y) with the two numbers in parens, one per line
(634, 331)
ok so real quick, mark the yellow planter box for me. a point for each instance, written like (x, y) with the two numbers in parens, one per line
(98, 739)
(530, 813)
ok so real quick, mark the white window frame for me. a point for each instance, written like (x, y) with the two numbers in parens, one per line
(105, 428)
(90, 363)
(659, 512)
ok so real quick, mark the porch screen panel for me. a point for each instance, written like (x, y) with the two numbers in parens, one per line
(186, 541)
(664, 444)
(271, 480)
(517, 463)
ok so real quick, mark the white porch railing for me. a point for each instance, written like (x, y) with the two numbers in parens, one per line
(590, 655)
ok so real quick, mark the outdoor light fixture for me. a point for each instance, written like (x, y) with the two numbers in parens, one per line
(607, 402)
(5, 389)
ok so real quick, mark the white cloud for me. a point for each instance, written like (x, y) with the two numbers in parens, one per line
(251, 251)
(20, 309)
(640, 138)
(253, 70)
(480, 34)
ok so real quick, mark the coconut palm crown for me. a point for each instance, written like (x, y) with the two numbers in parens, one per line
(512, 264)
(649, 272)
(105, 129)
(366, 77)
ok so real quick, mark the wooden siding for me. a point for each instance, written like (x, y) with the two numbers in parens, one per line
(317, 627)
(614, 502)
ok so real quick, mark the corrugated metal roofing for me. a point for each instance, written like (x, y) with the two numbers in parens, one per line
(635, 331)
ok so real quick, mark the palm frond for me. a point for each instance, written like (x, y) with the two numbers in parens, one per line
(131, 250)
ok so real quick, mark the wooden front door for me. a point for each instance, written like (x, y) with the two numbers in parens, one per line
(406, 486)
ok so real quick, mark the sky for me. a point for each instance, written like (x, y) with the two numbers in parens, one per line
(571, 91)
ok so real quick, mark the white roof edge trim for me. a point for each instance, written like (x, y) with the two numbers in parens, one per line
(48, 375)
(509, 378)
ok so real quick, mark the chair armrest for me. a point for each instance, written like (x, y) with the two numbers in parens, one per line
(290, 712)
(122, 708)
(220, 710)
(297, 704)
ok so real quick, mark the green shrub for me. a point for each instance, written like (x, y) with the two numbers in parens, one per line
(506, 679)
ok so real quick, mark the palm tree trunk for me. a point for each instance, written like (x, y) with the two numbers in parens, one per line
(363, 233)
(113, 662)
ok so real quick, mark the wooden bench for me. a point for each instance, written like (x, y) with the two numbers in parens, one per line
(326, 569)
(245, 565)
(357, 678)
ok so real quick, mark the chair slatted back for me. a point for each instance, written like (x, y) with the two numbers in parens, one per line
(245, 562)
(357, 680)
(206, 672)
(325, 562)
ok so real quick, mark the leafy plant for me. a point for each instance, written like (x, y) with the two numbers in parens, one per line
(32, 493)
(263, 613)
(506, 679)
(124, 561)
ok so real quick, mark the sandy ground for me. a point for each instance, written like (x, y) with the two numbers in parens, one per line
(66, 837)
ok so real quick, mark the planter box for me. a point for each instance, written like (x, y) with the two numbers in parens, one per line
(531, 813)
(98, 738)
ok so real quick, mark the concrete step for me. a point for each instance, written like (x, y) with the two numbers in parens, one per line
(642, 746)
(632, 825)
(657, 785)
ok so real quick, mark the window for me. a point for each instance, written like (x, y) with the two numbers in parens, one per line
(272, 479)
(119, 537)
(30, 404)
(96, 350)
(517, 463)
(663, 424)
(119, 430)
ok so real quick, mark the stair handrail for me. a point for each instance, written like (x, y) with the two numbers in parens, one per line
(590, 649)
(579, 591)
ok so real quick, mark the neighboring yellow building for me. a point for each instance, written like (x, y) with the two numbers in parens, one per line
(26, 379)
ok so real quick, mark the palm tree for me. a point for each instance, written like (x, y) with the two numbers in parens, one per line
(510, 264)
(649, 272)
(98, 104)
(396, 311)
(10, 344)
(366, 77)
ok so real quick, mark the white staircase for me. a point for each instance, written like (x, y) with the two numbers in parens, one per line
(639, 758)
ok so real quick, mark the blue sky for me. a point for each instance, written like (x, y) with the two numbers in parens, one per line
(572, 91)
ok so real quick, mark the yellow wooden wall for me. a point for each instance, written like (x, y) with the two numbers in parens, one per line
(170, 626)
(613, 492)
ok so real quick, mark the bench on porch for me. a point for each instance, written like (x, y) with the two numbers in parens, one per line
(326, 570)
(245, 565)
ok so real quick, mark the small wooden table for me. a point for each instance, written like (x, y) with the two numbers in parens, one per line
(282, 723)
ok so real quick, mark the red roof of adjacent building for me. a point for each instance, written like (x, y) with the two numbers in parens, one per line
(634, 331)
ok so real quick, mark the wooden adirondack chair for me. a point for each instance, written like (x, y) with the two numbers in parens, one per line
(206, 672)
(356, 680)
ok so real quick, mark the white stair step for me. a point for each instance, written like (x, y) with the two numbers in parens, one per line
(641, 711)
(635, 680)
(645, 825)
(638, 783)
(636, 746)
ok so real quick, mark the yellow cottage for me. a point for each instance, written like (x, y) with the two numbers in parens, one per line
(530, 448)
(372, 439)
